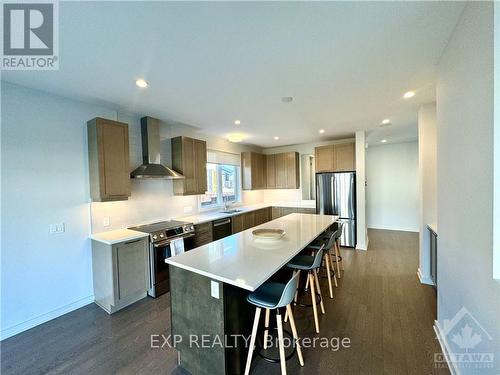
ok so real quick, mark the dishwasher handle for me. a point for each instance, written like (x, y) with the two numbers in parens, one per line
(221, 222)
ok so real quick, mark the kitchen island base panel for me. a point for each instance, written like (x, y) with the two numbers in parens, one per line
(199, 318)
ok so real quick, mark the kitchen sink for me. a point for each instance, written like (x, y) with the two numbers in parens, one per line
(231, 211)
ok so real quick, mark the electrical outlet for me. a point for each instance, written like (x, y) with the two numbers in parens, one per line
(56, 228)
(214, 289)
(105, 222)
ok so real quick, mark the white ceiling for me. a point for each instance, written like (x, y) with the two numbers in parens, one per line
(346, 64)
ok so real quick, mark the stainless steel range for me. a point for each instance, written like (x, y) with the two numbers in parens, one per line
(166, 239)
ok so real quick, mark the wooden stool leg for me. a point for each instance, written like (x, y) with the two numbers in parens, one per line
(313, 300)
(332, 267)
(337, 260)
(281, 343)
(266, 327)
(319, 292)
(252, 340)
(341, 261)
(327, 261)
(295, 335)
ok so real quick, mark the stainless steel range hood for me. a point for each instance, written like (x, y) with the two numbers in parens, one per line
(151, 166)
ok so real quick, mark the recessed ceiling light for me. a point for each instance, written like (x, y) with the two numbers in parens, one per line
(237, 122)
(409, 94)
(142, 83)
(321, 131)
(287, 99)
(383, 141)
(235, 138)
(386, 121)
(276, 138)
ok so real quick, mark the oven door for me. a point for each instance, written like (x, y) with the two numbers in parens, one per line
(160, 282)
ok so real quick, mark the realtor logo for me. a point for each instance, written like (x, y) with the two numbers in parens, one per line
(469, 344)
(30, 36)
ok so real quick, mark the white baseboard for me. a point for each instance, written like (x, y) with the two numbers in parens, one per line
(424, 280)
(416, 230)
(362, 246)
(24, 326)
(445, 348)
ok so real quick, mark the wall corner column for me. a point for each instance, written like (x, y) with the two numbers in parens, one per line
(362, 234)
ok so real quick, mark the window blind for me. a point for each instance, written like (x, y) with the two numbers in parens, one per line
(221, 157)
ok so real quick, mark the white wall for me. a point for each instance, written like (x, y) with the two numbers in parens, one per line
(427, 166)
(392, 186)
(44, 181)
(496, 220)
(465, 104)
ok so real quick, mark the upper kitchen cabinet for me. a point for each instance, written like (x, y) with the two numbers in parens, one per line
(109, 161)
(335, 158)
(253, 171)
(287, 170)
(189, 157)
(270, 171)
(323, 156)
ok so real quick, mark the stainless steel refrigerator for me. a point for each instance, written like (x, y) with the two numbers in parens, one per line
(336, 195)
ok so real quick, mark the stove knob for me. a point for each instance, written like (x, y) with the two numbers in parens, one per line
(155, 237)
(161, 235)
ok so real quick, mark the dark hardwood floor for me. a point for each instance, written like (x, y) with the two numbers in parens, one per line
(379, 305)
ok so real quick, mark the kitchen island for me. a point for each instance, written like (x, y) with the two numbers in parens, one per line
(210, 315)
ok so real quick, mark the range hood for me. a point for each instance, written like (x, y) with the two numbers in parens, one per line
(151, 167)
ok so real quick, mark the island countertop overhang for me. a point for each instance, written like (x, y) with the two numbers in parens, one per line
(242, 261)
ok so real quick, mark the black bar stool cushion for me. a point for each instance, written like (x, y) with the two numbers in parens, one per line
(267, 295)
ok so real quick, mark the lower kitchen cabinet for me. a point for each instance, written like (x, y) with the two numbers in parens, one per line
(278, 212)
(248, 220)
(120, 273)
(237, 223)
(262, 216)
(203, 234)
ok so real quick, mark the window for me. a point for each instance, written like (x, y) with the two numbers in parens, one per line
(223, 185)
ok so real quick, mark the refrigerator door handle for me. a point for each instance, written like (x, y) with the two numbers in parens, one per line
(333, 195)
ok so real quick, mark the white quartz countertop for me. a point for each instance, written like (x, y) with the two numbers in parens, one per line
(117, 236)
(246, 262)
(205, 217)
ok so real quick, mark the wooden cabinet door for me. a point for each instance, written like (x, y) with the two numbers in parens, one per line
(280, 163)
(109, 160)
(131, 269)
(270, 172)
(188, 166)
(237, 223)
(292, 170)
(248, 220)
(275, 213)
(324, 159)
(344, 157)
(200, 165)
(261, 216)
(115, 158)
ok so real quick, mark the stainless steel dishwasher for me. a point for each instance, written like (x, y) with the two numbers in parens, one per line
(222, 228)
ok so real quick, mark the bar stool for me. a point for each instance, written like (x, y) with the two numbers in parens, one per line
(336, 229)
(310, 263)
(338, 258)
(273, 296)
(328, 241)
